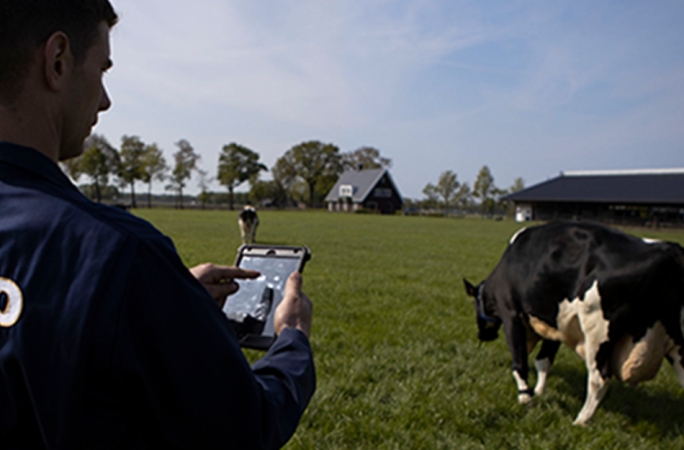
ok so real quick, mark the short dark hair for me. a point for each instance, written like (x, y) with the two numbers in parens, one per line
(26, 24)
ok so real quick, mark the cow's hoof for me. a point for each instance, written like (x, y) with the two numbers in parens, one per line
(524, 399)
(580, 423)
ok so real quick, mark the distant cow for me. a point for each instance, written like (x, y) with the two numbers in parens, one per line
(615, 299)
(248, 222)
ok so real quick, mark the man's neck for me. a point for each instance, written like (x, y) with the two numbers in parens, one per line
(29, 127)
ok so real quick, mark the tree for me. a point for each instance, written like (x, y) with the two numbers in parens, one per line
(518, 185)
(98, 161)
(185, 162)
(284, 178)
(365, 158)
(203, 184)
(131, 168)
(430, 191)
(446, 188)
(237, 164)
(463, 197)
(153, 168)
(317, 164)
(507, 205)
(265, 192)
(484, 189)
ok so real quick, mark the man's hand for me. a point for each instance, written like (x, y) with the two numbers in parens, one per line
(219, 280)
(295, 309)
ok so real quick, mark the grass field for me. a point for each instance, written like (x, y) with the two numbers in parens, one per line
(394, 337)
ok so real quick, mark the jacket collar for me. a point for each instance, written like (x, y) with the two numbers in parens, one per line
(33, 161)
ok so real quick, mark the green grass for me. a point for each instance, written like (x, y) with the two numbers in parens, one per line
(394, 337)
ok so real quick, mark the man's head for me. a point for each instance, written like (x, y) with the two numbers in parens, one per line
(53, 55)
(25, 25)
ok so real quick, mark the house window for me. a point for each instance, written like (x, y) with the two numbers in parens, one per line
(346, 190)
(383, 192)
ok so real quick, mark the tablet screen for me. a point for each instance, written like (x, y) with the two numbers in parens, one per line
(257, 299)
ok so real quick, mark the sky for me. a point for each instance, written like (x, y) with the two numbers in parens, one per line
(530, 88)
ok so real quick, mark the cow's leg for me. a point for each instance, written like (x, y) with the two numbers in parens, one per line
(597, 386)
(543, 363)
(675, 357)
(254, 227)
(595, 330)
(517, 344)
(242, 225)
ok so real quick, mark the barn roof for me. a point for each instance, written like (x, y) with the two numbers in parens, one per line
(361, 182)
(663, 186)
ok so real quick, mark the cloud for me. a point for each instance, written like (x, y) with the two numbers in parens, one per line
(526, 86)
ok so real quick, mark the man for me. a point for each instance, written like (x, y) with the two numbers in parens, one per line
(106, 339)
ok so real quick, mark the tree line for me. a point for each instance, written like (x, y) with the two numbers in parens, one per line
(449, 194)
(304, 174)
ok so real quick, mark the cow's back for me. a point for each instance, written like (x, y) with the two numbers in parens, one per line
(548, 264)
(247, 216)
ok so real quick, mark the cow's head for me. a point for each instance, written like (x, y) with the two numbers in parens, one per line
(487, 323)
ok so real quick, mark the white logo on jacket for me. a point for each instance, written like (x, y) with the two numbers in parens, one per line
(14, 302)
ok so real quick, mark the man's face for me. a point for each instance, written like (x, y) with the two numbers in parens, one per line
(86, 96)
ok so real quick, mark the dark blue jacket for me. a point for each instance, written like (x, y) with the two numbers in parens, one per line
(108, 341)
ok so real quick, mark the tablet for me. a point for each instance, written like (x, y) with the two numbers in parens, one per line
(250, 310)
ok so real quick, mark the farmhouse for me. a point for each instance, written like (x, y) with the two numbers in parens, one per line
(638, 197)
(371, 189)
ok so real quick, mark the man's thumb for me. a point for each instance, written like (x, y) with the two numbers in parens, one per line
(294, 283)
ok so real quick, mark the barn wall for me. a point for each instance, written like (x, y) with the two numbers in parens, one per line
(641, 215)
(523, 212)
(343, 205)
(384, 197)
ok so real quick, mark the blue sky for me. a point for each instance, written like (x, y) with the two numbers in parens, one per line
(529, 88)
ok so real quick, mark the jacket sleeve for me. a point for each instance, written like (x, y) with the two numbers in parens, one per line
(183, 378)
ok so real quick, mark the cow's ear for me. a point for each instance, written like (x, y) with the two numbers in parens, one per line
(470, 289)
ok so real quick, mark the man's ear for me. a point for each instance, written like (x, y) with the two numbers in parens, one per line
(58, 60)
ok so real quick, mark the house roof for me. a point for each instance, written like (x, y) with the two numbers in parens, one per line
(362, 183)
(663, 186)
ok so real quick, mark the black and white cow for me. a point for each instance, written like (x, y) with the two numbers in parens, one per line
(248, 222)
(615, 299)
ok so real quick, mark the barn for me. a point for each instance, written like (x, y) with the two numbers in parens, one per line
(368, 190)
(636, 197)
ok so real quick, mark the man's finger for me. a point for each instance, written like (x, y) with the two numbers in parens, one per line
(294, 283)
(225, 273)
